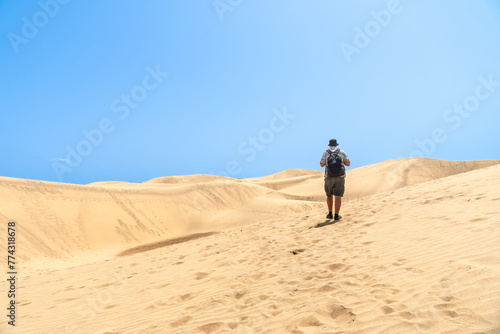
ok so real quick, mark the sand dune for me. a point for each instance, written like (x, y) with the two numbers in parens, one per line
(198, 178)
(62, 219)
(386, 176)
(287, 174)
(420, 253)
(108, 183)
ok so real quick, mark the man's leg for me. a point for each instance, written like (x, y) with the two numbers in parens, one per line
(338, 203)
(338, 193)
(329, 202)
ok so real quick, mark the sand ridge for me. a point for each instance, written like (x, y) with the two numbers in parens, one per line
(417, 258)
(61, 220)
(387, 176)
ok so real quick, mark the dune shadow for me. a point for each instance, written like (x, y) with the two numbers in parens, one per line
(325, 223)
(168, 242)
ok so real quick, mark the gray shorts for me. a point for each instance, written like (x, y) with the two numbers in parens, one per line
(334, 186)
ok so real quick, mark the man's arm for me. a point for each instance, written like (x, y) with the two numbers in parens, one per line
(322, 162)
(347, 162)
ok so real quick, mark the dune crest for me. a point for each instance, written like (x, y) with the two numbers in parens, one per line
(61, 220)
(386, 176)
(198, 178)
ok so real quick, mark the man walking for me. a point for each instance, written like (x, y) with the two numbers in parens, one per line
(334, 159)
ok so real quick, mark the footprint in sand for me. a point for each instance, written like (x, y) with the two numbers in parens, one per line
(444, 306)
(201, 275)
(162, 286)
(337, 267)
(309, 321)
(181, 321)
(183, 298)
(275, 310)
(326, 288)
(157, 305)
(400, 262)
(406, 315)
(361, 277)
(451, 314)
(447, 298)
(384, 289)
(240, 293)
(341, 314)
(211, 327)
(387, 309)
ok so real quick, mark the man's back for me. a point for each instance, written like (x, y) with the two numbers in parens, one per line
(341, 154)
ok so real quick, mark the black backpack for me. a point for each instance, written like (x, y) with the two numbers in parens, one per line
(334, 164)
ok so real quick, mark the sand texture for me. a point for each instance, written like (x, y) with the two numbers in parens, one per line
(417, 251)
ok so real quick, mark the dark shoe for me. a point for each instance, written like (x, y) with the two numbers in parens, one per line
(329, 216)
(338, 217)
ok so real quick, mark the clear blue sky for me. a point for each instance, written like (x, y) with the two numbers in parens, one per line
(388, 79)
